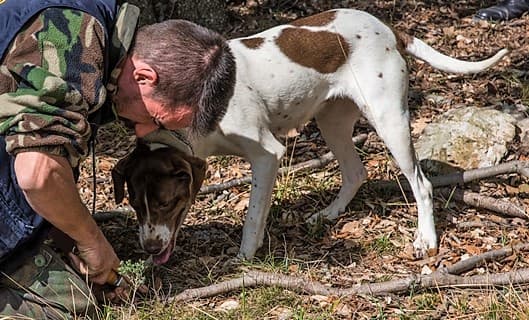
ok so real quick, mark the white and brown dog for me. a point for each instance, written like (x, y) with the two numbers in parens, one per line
(335, 67)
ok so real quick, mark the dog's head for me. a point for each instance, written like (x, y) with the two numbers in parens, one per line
(162, 183)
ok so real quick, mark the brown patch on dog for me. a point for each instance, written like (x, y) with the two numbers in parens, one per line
(322, 50)
(253, 43)
(317, 20)
(403, 40)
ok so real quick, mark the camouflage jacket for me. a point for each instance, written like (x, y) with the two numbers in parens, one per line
(51, 82)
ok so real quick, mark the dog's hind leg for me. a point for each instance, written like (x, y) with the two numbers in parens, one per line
(379, 87)
(336, 121)
(391, 121)
(265, 159)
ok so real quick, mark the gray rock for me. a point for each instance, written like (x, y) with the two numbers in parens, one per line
(466, 138)
(524, 134)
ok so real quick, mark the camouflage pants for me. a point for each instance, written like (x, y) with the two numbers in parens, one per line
(45, 287)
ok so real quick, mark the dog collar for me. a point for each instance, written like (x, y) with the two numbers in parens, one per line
(162, 138)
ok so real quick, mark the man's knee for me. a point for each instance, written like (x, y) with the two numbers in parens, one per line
(45, 287)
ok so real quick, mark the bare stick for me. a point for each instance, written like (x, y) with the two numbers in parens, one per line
(102, 216)
(310, 164)
(479, 201)
(445, 277)
(414, 282)
(460, 178)
(475, 261)
(470, 198)
(475, 224)
(524, 172)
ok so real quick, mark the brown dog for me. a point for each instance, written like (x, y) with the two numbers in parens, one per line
(162, 183)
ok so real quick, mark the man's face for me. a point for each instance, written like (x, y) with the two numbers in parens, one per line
(134, 100)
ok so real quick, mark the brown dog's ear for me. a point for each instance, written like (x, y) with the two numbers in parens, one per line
(122, 168)
(118, 179)
(198, 167)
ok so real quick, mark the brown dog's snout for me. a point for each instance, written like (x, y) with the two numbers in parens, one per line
(153, 246)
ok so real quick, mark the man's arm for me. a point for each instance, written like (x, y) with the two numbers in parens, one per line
(57, 62)
(49, 187)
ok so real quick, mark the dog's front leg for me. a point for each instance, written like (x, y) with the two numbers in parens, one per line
(264, 171)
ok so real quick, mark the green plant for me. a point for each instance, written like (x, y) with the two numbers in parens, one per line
(134, 271)
(382, 245)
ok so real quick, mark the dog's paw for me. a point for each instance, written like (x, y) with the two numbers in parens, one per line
(315, 218)
(246, 254)
(425, 246)
(322, 217)
(231, 264)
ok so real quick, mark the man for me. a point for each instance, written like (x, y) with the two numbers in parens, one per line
(62, 61)
(504, 10)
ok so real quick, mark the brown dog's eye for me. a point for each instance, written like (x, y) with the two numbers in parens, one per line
(166, 204)
(181, 175)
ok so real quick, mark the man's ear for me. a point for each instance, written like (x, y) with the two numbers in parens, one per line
(144, 74)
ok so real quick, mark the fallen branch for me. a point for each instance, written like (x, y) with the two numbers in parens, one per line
(414, 283)
(479, 201)
(445, 277)
(103, 216)
(460, 178)
(524, 172)
(470, 198)
(310, 164)
(476, 261)
(475, 224)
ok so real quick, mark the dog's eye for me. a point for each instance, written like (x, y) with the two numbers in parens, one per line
(166, 204)
(181, 175)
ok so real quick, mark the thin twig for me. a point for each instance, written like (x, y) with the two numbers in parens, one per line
(467, 197)
(475, 224)
(480, 201)
(524, 172)
(103, 216)
(310, 164)
(475, 261)
(460, 178)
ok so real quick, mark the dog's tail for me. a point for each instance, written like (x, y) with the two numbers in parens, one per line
(436, 59)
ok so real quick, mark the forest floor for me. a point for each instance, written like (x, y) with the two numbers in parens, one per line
(371, 241)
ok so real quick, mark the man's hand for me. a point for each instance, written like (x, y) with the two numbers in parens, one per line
(96, 258)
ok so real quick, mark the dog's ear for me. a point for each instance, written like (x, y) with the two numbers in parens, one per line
(122, 169)
(198, 168)
(118, 179)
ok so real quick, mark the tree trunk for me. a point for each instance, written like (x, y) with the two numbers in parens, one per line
(208, 13)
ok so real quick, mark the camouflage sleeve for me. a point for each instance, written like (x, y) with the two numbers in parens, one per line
(56, 64)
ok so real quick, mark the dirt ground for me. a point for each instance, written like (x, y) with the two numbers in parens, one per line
(371, 241)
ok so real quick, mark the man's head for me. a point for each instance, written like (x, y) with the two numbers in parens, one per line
(177, 74)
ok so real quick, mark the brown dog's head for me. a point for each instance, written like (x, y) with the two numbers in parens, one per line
(162, 183)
